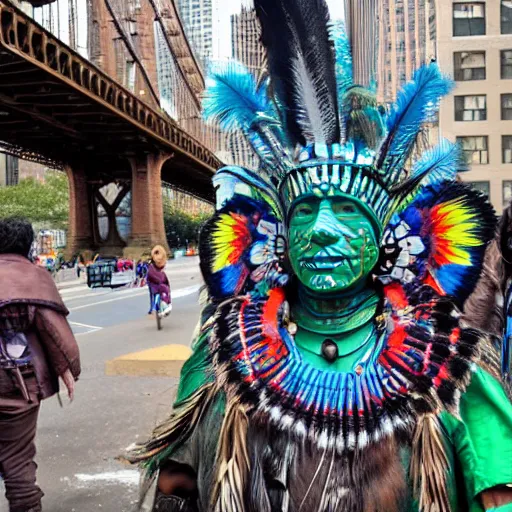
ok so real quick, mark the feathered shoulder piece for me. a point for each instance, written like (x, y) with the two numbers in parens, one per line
(243, 245)
(439, 240)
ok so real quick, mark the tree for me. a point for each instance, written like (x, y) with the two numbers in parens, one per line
(44, 203)
(181, 227)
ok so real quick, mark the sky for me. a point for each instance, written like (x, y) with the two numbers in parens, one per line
(222, 25)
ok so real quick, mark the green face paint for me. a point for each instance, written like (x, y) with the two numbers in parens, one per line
(333, 244)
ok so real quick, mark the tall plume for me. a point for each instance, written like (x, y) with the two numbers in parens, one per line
(417, 102)
(302, 65)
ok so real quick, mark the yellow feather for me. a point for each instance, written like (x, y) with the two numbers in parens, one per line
(223, 237)
(455, 223)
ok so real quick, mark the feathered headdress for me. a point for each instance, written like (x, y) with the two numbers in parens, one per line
(313, 129)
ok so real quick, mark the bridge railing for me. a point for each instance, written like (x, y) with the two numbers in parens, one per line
(25, 38)
(176, 96)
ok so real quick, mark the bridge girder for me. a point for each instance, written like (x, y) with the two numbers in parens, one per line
(55, 103)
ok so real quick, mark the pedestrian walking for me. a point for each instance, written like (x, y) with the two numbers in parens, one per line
(37, 347)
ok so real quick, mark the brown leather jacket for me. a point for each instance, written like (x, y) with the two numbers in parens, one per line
(30, 300)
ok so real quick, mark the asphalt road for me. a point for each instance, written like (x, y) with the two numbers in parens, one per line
(77, 444)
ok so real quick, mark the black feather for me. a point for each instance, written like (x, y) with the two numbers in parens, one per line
(446, 393)
(459, 367)
(302, 65)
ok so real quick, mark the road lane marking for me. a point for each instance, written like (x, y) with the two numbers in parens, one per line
(176, 294)
(95, 327)
(126, 477)
(65, 291)
(92, 331)
(100, 292)
(88, 293)
(107, 301)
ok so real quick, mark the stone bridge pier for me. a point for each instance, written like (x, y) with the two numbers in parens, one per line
(142, 176)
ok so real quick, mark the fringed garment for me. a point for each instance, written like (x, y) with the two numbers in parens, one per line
(265, 431)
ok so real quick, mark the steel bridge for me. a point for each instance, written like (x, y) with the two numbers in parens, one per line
(75, 113)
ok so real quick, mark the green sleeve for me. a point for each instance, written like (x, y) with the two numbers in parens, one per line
(483, 439)
(503, 508)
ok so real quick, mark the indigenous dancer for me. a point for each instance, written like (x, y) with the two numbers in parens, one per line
(333, 371)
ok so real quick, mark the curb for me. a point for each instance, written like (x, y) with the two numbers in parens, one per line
(165, 361)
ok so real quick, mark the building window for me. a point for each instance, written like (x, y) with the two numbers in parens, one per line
(507, 193)
(469, 66)
(475, 149)
(506, 63)
(506, 16)
(506, 146)
(481, 186)
(471, 108)
(131, 72)
(469, 19)
(506, 107)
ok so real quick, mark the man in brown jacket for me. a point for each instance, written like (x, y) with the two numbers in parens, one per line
(36, 348)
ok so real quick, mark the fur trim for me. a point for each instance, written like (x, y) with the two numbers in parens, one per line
(429, 465)
(232, 458)
(484, 308)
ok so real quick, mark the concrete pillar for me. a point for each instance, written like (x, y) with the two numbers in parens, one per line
(147, 207)
(80, 230)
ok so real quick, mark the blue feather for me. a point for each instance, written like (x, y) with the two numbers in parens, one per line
(440, 163)
(506, 347)
(344, 67)
(417, 102)
(452, 278)
(233, 98)
(228, 178)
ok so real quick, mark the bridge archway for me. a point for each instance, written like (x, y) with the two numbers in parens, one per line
(112, 211)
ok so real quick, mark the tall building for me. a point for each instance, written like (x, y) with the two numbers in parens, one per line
(407, 40)
(240, 151)
(361, 23)
(246, 43)
(14, 169)
(390, 39)
(197, 18)
(475, 47)
(247, 49)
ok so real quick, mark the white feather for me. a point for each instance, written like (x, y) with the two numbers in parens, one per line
(300, 429)
(340, 444)
(362, 440)
(322, 440)
(275, 414)
(287, 421)
(310, 119)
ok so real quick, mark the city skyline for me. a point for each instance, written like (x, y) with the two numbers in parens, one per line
(224, 9)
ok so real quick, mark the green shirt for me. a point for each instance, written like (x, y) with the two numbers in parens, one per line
(478, 445)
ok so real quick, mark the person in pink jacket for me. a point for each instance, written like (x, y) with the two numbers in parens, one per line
(158, 281)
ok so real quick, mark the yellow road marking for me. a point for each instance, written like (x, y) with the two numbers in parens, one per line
(165, 361)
